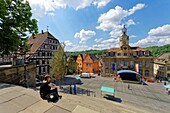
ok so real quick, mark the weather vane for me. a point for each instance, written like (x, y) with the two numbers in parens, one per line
(47, 28)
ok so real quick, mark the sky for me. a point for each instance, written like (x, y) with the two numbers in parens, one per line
(97, 24)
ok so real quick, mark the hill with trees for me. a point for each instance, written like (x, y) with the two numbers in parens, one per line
(156, 51)
(95, 52)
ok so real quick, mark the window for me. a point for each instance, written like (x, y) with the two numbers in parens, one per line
(131, 54)
(168, 68)
(107, 63)
(146, 72)
(86, 68)
(39, 70)
(140, 63)
(140, 53)
(119, 54)
(43, 62)
(86, 64)
(43, 69)
(107, 70)
(43, 54)
(125, 54)
(107, 54)
(111, 54)
(37, 62)
(140, 71)
(146, 64)
(168, 75)
(125, 63)
(118, 64)
(131, 64)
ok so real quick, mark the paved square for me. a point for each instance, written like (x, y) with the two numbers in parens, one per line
(151, 97)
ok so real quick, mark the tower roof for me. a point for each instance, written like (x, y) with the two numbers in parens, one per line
(124, 29)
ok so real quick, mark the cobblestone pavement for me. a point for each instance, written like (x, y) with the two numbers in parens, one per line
(150, 97)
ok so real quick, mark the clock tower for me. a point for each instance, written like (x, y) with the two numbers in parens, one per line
(124, 39)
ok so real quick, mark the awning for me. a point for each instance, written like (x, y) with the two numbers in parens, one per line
(167, 86)
(127, 71)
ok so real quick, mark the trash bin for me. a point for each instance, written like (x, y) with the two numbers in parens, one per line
(161, 81)
(164, 83)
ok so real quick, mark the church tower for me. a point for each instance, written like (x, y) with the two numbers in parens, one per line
(124, 39)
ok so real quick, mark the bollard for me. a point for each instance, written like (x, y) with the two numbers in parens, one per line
(70, 89)
(128, 86)
(74, 89)
(94, 94)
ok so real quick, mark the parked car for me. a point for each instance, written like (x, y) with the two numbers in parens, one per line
(38, 82)
(85, 75)
(92, 75)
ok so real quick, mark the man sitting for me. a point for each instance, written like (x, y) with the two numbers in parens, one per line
(46, 92)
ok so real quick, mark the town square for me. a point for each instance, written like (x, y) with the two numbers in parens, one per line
(84, 56)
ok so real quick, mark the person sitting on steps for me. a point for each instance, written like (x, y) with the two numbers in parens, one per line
(46, 92)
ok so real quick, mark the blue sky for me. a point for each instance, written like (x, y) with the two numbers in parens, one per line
(97, 24)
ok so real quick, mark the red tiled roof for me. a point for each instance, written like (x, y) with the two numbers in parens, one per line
(165, 56)
(36, 41)
(113, 50)
(138, 49)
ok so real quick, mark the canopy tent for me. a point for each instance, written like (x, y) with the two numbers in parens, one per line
(129, 75)
(167, 86)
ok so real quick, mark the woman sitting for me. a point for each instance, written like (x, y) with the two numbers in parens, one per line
(46, 92)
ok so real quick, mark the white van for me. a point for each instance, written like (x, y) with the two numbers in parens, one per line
(85, 75)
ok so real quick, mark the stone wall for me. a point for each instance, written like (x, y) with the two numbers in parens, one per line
(24, 75)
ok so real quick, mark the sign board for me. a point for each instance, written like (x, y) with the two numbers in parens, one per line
(137, 67)
(113, 67)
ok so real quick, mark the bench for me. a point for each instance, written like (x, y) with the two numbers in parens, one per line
(107, 90)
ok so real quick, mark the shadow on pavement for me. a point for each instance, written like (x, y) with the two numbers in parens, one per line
(69, 81)
(70, 90)
(112, 98)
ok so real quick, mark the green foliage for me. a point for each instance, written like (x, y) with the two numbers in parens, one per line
(58, 64)
(158, 50)
(71, 66)
(95, 52)
(15, 22)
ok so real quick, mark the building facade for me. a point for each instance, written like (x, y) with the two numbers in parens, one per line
(42, 47)
(162, 66)
(127, 58)
(79, 64)
(87, 64)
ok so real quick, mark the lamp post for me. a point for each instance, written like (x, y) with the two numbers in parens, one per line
(24, 58)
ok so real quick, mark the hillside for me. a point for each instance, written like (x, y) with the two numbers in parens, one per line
(95, 52)
(158, 50)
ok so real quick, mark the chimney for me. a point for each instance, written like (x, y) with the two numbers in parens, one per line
(42, 32)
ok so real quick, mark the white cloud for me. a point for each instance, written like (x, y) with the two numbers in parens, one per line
(77, 47)
(97, 40)
(132, 36)
(135, 8)
(113, 19)
(84, 35)
(160, 31)
(68, 43)
(101, 3)
(48, 7)
(156, 37)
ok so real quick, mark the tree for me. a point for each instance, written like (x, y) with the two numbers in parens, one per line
(15, 22)
(58, 63)
(71, 65)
